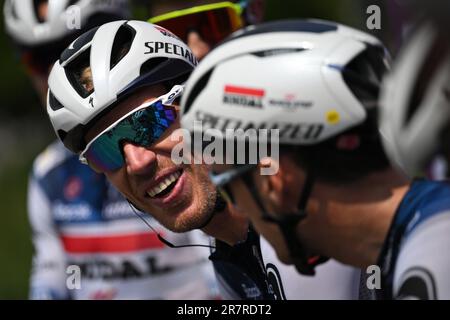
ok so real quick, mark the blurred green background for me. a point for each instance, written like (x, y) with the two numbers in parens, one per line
(25, 131)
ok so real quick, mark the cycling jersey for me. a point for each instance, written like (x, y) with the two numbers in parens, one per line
(79, 219)
(250, 270)
(240, 269)
(414, 260)
(332, 281)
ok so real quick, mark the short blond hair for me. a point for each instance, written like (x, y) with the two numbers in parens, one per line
(86, 79)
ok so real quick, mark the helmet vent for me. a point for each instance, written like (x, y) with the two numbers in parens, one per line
(364, 73)
(71, 3)
(53, 102)
(78, 73)
(122, 44)
(276, 52)
(37, 8)
(69, 52)
(13, 9)
(284, 26)
(199, 86)
(436, 54)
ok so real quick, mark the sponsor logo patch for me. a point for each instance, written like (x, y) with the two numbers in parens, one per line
(73, 188)
(333, 117)
(247, 97)
(289, 102)
(166, 32)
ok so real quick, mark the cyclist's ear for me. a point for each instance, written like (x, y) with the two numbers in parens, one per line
(271, 182)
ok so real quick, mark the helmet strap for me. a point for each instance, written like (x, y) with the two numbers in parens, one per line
(137, 211)
(219, 206)
(287, 222)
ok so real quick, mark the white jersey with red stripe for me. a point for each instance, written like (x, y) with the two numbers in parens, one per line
(78, 219)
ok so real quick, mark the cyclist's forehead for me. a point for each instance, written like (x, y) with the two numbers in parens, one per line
(124, 107)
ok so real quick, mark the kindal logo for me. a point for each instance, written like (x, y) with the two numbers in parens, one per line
(247, 97)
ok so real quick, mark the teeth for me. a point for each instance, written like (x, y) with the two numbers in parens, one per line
(163, 185)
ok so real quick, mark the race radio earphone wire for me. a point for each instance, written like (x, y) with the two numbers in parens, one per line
(166, 242)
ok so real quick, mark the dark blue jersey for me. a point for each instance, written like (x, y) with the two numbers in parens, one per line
(240, 269)
(251, 270)
(415, 260)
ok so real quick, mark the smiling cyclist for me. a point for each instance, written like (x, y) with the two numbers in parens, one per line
(334, 194)
(77, 217)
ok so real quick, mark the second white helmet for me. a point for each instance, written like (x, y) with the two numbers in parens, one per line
(415, 118)
(310, 79)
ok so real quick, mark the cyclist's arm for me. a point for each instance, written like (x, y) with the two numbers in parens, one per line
(423, 264)
(48, 277)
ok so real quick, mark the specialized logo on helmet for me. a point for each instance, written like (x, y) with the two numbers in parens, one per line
(166, 32)
(304, 131)
(170, 48)
(242, 96)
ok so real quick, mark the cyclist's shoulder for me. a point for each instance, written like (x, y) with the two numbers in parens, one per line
(425, 208)
(54, 157)
(425, 190)
(418, 235)
(424, 200)
(422, 265)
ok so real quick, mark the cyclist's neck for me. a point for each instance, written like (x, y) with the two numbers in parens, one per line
(229, 226)
(350, 222)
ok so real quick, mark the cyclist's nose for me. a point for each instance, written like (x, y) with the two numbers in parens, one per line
(139, 160)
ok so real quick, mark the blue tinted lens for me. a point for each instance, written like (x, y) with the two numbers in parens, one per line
(142, 127)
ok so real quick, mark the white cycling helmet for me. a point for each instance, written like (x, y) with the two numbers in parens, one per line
(415, 101)
(311, 79)
(64, 17)
(316, 82)
(122, 56)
